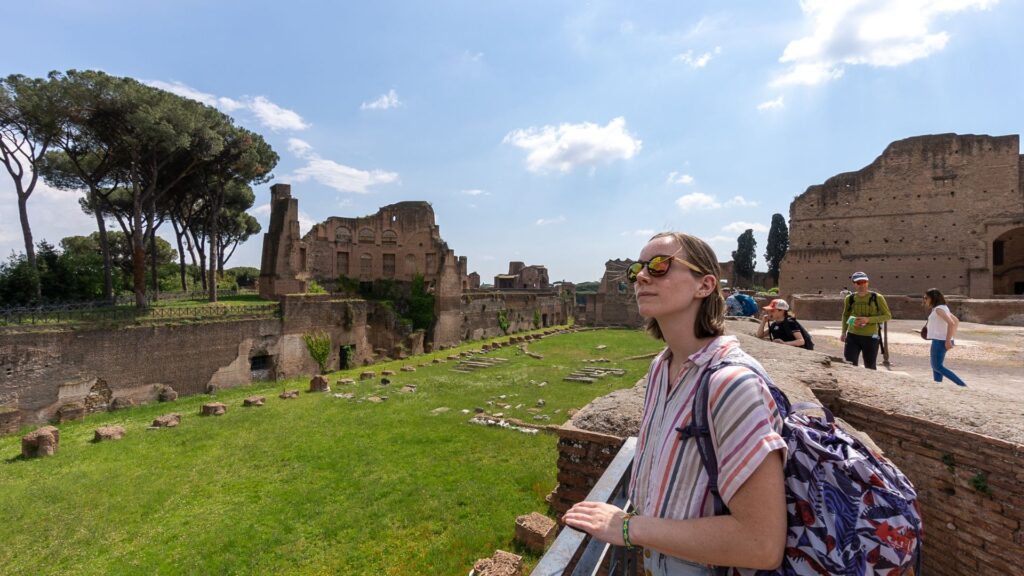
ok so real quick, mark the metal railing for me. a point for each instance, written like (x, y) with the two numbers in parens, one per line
(578, 554)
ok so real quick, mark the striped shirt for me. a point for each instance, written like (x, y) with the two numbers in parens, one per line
(668, 480)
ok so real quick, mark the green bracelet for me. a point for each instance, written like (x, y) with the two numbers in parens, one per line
(625, 531)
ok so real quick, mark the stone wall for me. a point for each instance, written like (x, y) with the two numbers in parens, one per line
(42, 372)
(1003, 311)
(924, 214)
(478, 313)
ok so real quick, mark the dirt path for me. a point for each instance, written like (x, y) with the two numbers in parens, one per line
(989, 358)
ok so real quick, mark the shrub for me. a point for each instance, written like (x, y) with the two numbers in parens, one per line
(315, 288)
(503, 321)
(536, 318)
(318, 343)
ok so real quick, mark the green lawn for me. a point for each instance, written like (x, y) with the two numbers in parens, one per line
(318, 485)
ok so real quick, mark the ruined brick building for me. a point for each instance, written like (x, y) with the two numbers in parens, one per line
(523, 277)
(943, 211)
(399, 242)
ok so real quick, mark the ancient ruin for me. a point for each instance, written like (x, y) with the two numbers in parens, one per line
(943, 211)
(522, 277)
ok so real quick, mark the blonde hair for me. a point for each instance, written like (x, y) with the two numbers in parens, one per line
(710, 319)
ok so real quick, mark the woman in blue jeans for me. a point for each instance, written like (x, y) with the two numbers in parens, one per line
(941, 328)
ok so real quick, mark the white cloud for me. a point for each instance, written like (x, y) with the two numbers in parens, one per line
(53, 214)
(300, 148)
(568, 146)
(700, 61)
(643, 233)
(383, 102)
(871, 32)
(771, 104)
(274, 117)
(186, 91)
(697, 201)
(269, 114)
(475, 192)
(472, 56)
(677, 178)
(741, 227)
(306, 223)
(340, 177)
(739, 201)
(261, 210)
(547, 221)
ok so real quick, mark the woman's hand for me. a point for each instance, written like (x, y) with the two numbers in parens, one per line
(602, 521)
(949, 344)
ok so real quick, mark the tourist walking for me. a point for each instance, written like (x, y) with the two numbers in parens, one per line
(941, 328)
(864, 312)
(778, 326)
(676, 285)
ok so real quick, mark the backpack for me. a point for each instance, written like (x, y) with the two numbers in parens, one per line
(848, 510)
(808, 343)
(749, 304)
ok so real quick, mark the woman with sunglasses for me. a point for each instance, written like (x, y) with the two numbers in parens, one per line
(942, 325)
(676, 286)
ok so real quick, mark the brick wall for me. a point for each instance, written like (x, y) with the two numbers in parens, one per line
(582, 458)
(967, 531)
(923, 214)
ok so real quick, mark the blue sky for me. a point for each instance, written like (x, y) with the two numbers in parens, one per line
(556, 133)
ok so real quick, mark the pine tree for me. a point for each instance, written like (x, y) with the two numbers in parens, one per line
(744, 257)
(778, 245)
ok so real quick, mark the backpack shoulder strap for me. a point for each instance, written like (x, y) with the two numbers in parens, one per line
(700, 426)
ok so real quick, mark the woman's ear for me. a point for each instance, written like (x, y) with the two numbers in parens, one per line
(708, 284)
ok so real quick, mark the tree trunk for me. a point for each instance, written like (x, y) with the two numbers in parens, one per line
(153, 258)
(108, 279)
(30, 249)
(181, 255)
(138, 249)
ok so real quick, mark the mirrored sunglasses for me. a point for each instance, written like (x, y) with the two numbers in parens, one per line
(657, 266)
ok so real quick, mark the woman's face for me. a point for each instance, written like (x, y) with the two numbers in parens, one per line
(662, 297)
(778, 315)
(927, 302)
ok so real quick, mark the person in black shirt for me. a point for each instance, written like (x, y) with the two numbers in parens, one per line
(778, 326)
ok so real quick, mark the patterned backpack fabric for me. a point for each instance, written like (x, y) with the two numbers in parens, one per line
(849, 511)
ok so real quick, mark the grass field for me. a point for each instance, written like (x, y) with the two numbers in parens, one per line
(318, 485)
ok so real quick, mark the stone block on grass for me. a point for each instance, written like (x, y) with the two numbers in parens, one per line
(387, 372)
(500, 564)
(70, 412)
(213, 409)
(167, 394)
(535, 531)
(254, 401)
(167, 421)
(319, 384)
(112, 432)
(367, 375)
(40, 443)
(288, 395)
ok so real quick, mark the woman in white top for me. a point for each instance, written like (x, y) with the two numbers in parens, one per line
(941, 327)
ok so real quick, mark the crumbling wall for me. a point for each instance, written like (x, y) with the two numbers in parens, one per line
(922, 215)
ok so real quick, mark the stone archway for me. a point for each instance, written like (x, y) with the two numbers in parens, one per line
(1008, 263)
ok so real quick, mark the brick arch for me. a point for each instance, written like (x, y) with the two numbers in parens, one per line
(1008, 262)
(342, 235)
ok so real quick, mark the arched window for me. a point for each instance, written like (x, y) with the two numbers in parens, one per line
(366, 236)
(389, 238)
(342, 235)
(365, 266)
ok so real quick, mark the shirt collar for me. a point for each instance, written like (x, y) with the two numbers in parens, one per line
(716, 348)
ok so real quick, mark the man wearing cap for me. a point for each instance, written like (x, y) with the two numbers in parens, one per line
(864, 312)
(778, 326)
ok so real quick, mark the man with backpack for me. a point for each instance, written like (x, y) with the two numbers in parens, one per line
(864, 312)
(778, 326)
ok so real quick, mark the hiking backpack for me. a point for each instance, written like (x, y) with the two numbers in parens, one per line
(748, 303)
(808, 342)
(848, 510)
